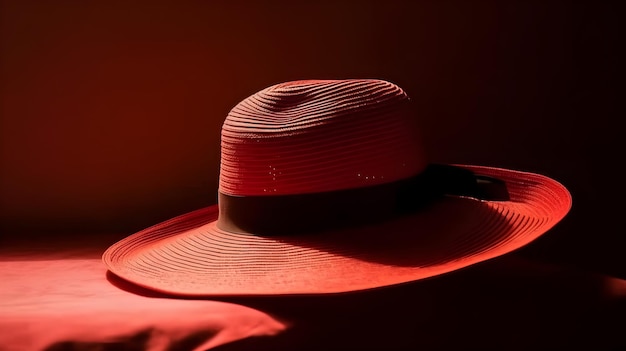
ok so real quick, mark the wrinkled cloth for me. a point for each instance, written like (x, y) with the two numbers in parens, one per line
(69, 304)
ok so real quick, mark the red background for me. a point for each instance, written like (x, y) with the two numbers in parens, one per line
(111, 110)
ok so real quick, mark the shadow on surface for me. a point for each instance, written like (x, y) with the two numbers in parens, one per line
(507, 303)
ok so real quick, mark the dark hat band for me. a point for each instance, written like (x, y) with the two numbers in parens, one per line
(305, 213)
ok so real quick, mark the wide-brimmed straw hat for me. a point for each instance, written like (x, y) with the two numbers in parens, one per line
(324, 187)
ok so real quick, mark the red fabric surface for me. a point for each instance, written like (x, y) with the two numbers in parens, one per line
(68, 304)
(66, 301)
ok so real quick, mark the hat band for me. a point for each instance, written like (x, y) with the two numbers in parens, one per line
(303, 213)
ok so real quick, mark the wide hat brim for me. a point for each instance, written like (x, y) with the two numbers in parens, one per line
(190, 256)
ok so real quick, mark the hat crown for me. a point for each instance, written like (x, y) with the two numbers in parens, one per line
(319, 135)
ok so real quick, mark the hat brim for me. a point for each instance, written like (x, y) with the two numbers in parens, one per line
(189, 256)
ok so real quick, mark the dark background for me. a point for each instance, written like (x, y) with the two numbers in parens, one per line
(111, 110)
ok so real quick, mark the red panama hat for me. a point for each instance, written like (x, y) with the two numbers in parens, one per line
(324, 188)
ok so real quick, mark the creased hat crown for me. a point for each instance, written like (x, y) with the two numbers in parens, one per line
(319, 135)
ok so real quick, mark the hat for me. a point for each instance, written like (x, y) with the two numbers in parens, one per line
(324, 187)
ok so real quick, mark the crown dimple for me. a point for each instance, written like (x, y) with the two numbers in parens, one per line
(288, 107)
(283, 97)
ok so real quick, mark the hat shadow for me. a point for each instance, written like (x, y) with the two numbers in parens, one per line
(486, 308)
(451, 229)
